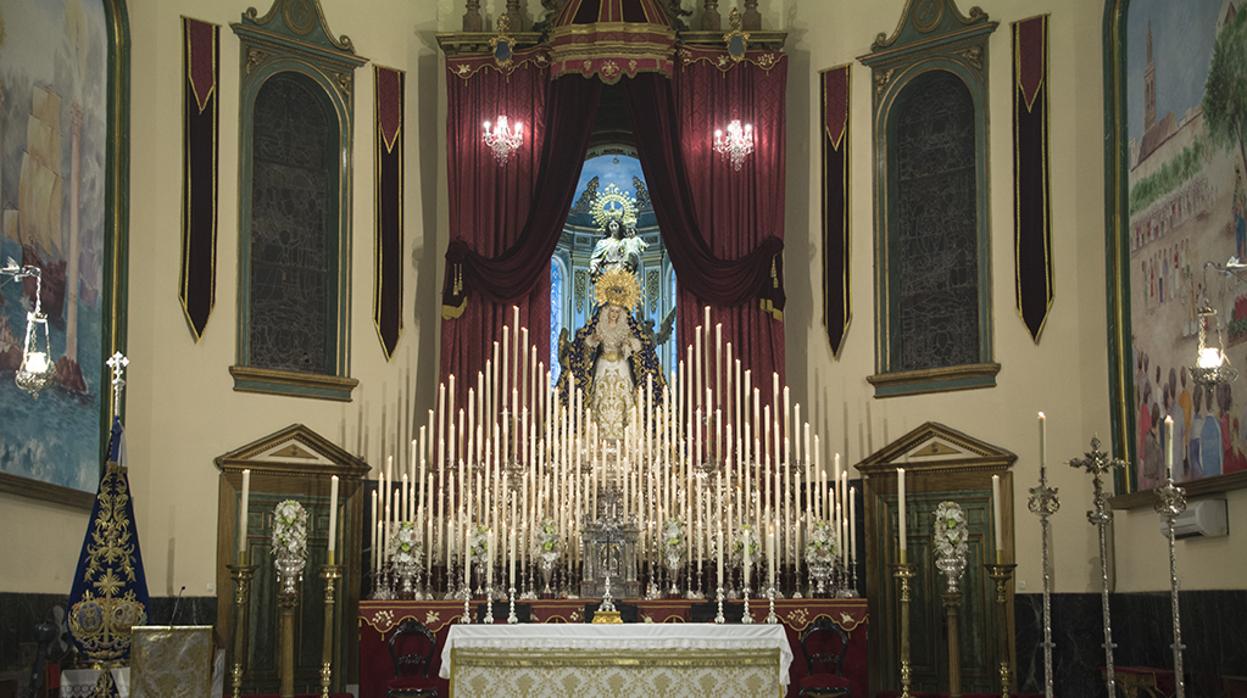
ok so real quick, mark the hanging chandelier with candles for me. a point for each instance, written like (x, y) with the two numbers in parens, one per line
(36, 368)
(503, 138)
(736, 143)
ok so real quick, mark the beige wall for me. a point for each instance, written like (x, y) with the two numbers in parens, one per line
(183, 411)
(1066, 374)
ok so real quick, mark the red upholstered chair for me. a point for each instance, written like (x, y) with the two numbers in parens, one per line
(412, 648)
(824, 644)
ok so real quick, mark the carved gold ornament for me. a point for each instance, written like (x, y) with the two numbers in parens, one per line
(618, 287)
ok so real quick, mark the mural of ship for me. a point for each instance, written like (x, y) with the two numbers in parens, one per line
(47, 242)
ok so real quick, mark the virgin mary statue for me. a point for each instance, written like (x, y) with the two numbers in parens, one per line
(612, 356)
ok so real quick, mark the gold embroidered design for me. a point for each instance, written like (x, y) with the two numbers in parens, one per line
(109, 607)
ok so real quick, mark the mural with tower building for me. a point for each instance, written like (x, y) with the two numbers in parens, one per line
(1187, 207)
(53, 82)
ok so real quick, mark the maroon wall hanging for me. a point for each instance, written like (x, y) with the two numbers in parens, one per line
(200, 123)
(1032, 241)
(387, 301)
(837, 310)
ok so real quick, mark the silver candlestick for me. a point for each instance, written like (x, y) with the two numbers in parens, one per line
(746, 618)
(467, 601)
(771, 618)
(1044, 502)
(512, 619)
(1170, 502)
(489, 604)
(1098, 464)
(718, 617)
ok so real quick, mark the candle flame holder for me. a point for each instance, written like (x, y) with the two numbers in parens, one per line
(1170, 503)
(330, 573)
(1044, 502)
(746, 618)
(1097, 463)
(903, 573)
(1000, 574)
(242, 574)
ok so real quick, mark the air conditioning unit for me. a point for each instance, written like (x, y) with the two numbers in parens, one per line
(1203, 517)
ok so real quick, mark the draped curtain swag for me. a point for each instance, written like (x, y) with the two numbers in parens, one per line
(723, 229)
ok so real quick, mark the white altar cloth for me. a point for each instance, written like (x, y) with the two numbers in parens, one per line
(661, 640)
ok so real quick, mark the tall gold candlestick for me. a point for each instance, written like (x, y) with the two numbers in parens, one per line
(331, 573)
(1000, 574)
(242, 574)
(903, 572)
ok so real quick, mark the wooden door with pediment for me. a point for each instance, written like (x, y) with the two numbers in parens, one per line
(941, 464)
(293, 463)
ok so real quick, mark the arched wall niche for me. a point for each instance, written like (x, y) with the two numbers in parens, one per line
(933, 328)
(294, 203)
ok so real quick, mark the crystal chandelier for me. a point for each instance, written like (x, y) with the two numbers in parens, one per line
(1212, 366)
(36, 368)
(736, 144)
(503, 139)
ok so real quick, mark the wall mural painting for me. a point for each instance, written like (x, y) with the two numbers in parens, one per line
(1186, 204)
(53, 131)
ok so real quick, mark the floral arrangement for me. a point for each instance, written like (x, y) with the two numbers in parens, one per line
(673, 538)
(549, 542)
(405, 546)
(950, 537)
(290, 530)
(478, 545)
(746, 539)
(823, 546)
(289, 542)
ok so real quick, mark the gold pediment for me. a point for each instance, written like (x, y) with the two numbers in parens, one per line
(295, 448)
(936, 446)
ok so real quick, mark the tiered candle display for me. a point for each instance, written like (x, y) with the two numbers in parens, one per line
(702, 451)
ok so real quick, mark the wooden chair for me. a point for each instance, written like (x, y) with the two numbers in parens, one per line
(412, 649)
(824, 644)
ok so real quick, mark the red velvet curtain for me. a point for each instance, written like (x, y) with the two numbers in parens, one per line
(505, 220)
(739, 211)
(505, 223)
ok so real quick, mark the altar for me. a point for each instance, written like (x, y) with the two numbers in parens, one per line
(641, 659)
(742, 648)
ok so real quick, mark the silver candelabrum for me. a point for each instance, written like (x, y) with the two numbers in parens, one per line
(1170, 502)
(1044, 503)
(1098, 464)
